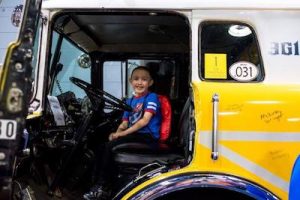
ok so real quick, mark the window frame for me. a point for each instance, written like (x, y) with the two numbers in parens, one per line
(36, 63)
(261, 68)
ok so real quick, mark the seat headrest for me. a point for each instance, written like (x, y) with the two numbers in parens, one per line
(166, 115)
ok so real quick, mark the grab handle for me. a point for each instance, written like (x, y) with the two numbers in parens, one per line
(215, 153)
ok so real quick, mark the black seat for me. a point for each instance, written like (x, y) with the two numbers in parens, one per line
(142, 154)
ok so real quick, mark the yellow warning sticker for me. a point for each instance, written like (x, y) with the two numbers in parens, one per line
(215, 66)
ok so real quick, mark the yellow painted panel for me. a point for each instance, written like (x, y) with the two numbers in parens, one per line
(253, 107)
(249, 108)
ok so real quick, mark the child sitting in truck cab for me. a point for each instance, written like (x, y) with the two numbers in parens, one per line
(142, 124)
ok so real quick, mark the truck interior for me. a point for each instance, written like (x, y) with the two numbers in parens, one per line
(91, 56)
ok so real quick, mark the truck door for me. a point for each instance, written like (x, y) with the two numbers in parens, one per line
(248, 126)
(15, 86)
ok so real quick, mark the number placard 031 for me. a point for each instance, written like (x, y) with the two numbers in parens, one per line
(243, 71)
(8, 129)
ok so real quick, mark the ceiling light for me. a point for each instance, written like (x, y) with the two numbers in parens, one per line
(152, 13)
(239, 30)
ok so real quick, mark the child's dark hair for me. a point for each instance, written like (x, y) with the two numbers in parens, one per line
(142, 68)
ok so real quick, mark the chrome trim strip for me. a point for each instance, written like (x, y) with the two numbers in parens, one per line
(197, 180)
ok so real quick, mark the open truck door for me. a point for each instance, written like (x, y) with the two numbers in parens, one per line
(15, 86)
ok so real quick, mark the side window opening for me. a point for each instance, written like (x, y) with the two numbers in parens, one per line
(229, 52)
(116, 76)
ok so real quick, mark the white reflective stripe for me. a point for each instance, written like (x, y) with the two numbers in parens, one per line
(254, 168)
(152, 103)
(151, 107)
(205, 139)
(259, 136)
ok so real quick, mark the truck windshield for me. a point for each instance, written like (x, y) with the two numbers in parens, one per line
(69, 62)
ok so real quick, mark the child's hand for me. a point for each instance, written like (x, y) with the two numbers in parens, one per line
(114, 136)
(110, 137)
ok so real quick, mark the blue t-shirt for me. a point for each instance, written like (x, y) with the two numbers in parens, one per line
(150, 103)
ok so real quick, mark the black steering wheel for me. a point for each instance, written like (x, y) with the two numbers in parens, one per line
(109, 100)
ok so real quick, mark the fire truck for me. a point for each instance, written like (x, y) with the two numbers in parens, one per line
(230, 70)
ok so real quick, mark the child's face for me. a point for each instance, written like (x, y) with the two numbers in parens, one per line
(140, 81)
